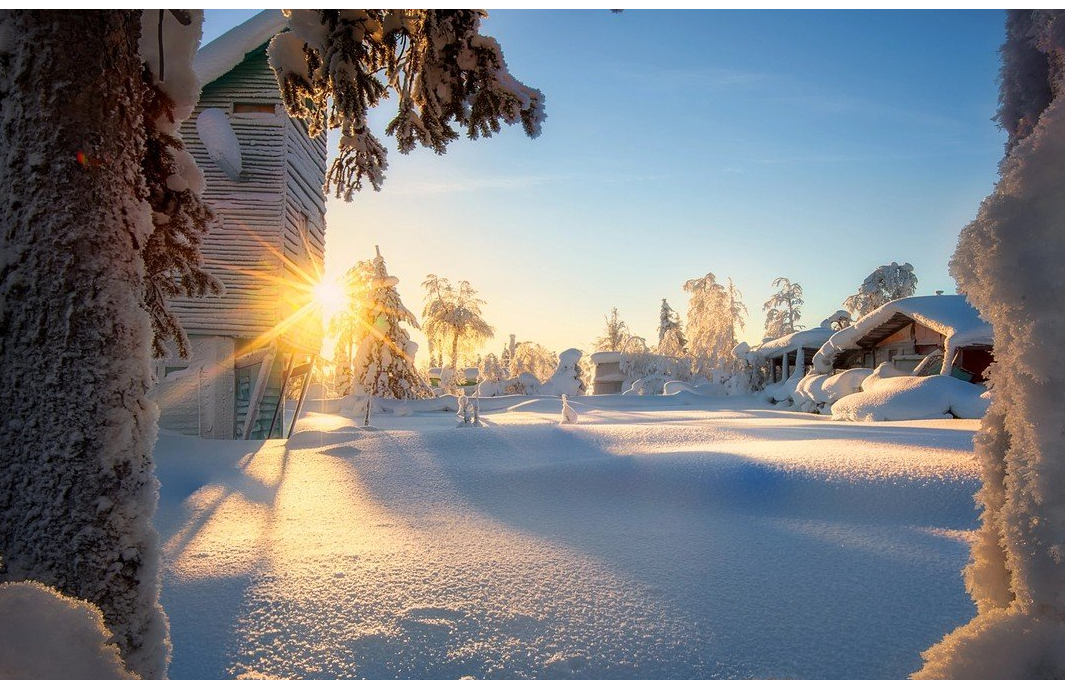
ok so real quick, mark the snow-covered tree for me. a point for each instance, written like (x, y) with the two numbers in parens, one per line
(77, 489)
(669, 323)
(737, 311)
(672, 344)
(783, 309)
(887, 282)
(533, 358)
(384, 361)
(710, 323)
(98, 230)
(1009, 264)
(492, 369)
(453, 320)
(615, 334)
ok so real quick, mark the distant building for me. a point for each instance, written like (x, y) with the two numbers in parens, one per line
(264, 177)
(944, 328)
(607, 376)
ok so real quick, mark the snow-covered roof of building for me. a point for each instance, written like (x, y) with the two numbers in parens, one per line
(949, 315)
(811, 338)
(605, 357)
(219, 56)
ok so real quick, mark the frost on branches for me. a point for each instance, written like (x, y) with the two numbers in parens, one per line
(1009, 264)
(783, 309)
(173, 264)
(888, 282)
(669, 323)
(333, 66)
(615, 334)
(453, 320)
(714, 314)
(384, 362)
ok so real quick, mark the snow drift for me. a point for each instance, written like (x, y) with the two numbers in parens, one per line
(912, 398)
(45, 635)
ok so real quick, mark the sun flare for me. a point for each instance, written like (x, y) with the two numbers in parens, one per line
(329, 295)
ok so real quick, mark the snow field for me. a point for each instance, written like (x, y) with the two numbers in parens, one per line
(666, 537)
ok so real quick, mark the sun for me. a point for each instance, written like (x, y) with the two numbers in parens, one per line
(329, 296)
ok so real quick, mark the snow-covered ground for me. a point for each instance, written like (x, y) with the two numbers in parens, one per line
(664, 537)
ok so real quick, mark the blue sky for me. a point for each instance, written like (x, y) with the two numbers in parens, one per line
(812, 145)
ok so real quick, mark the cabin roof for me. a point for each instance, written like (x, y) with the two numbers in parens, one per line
(221, 55)
(810, 339)
(949, 315)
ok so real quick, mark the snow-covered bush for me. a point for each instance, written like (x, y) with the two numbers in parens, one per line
(534, 358)
(912, 398)
(568, 378)
(45, 635)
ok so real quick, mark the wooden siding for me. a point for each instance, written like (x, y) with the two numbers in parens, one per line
(258, 243)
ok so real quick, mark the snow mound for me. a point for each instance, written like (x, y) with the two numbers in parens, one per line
(647, 386)
(912, 398)
(1000, 644)
(566, 379)
(45, 635)
(884, 370)
(819, 390)
(710, 389)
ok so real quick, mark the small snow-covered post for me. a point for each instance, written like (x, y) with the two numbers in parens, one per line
(366, 419)
(569, 416)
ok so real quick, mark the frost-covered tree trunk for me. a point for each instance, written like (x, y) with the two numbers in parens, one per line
(1009, 262)
(77, 490)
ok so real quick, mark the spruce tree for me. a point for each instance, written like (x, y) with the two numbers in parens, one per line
(384, 363)
(669, 323)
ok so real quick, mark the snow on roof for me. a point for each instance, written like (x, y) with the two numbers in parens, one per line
(811, 338)
(949, 315)
(605, 357)
(218, 57)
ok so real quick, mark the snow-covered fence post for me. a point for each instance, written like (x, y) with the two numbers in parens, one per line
(77, 489)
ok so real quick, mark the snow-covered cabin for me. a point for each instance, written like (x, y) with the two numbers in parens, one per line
(263, 176)
(904, 332)
(792, 352)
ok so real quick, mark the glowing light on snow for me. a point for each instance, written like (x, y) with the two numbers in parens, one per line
(329, 295)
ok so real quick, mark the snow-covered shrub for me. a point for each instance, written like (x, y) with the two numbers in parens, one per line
(533, 358)
(912, 398)
(45, 635)
(568, 378)
(647, 386)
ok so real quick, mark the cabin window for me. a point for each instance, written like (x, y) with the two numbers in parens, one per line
(249, 107)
